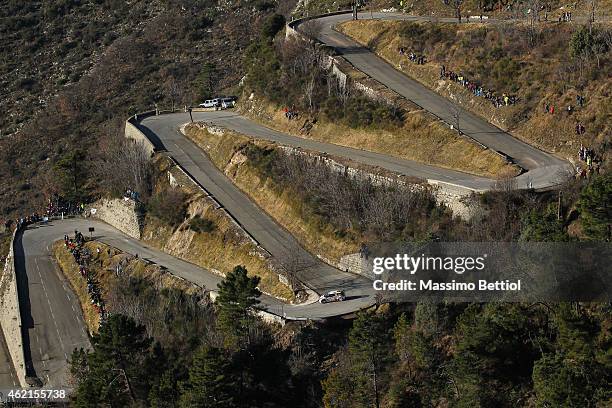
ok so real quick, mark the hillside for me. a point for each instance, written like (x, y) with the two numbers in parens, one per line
(447, 8)
(548, 65)
(72, 71)
(95, 63)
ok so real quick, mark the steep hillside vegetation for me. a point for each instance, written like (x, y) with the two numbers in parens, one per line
(546, 65)
(74, 68)
(448, 8)
(292, 88)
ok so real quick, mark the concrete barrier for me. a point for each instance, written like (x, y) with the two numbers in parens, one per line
(10, 315)
(291, 28)
(133, 132)
(205, 109)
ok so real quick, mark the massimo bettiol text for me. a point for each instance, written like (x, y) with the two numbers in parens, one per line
(458, 265)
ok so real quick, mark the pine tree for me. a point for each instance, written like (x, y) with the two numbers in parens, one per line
(595, 209)
(116, 367)
(238, 293)
(485, 369)
(165, 393)
(401, 333)
(543, 226)
(369, 352)
(338, 389)
(210, 383)
(572, 374)
(71, 173)
(206, 80)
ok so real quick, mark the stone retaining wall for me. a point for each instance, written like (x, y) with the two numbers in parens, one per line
(119, 213)
(462, 201)
(10, 315)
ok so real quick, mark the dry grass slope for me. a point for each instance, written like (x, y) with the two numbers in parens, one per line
(220, 248)
(103, 265)
(501, 58)
(420, 138)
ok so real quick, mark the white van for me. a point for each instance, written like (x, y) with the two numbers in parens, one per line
(227, 103)
(210, 103)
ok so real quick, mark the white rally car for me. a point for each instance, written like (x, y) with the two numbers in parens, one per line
(333, 296)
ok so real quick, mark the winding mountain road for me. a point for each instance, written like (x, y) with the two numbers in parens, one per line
(52, 321)
(51, 318)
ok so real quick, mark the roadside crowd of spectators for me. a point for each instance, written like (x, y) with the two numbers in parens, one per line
(592, 161)
(55, 208)
(23, 222)
(472, 86)
(477, 89)
(412, 57)
(83, 257)
(580, 101)
(566, 16)
(290, 113)
(131, 195)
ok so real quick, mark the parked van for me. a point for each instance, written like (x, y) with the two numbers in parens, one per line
(228, 103)
(211, 103)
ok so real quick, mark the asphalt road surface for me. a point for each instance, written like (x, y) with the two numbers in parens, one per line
(311, 271)
(357, 289)
(52, 322)
(52, 319)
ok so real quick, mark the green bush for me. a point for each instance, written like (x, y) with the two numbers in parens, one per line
(595, 210)
(273, 25)
(261, 158)
(264, 5)
(362, 112)
(199, 224)
(581, 42)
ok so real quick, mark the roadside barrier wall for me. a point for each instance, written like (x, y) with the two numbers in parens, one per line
(10, 315)
(133, 132)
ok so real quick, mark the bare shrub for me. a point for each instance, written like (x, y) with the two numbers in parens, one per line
(169, 205)
(350, 204)
(123, 164)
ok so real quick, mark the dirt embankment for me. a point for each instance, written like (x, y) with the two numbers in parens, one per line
(420, 138)
(208, 237)
(103, 265)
